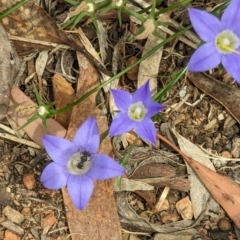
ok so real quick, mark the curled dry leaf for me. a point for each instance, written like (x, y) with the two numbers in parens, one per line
(31, 22)
(225, 94)
(131, 219)
(9, 67)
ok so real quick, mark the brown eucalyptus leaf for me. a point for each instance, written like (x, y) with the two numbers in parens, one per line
(9, 67)
(63, 95)
(226, 95)
(31, 22)
(225, 191)
(198, 193)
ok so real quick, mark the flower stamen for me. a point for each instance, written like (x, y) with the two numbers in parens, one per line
(227, 42)
(137, 111)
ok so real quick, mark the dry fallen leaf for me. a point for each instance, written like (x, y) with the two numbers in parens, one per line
(31, 22)
(226, 95)
(132, 219)
(132, 74)
(149, 68)
(9, 67)
(199, 194)
(225, 191)
(99, 220)
(63, 95)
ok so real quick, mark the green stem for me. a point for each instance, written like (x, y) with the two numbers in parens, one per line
(72, 2)
(161, 94)
(133, 13)
(86, 95)
(12, 9)
(172, 7)
(124, 160)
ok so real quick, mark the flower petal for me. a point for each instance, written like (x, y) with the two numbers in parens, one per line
(231, 63)
(235, 29)
(142, 94)
(153, 108)
(231, 14)
(206, 25)
(122, 99)
(54, 176)
(204, 58)
(146, 130)
(87, 136)
(59, 149)
(104, 167)
(80, 189)
(121, 124)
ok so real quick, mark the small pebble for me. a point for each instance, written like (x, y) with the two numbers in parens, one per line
(29, 181)
(10, 236)
(224, 224)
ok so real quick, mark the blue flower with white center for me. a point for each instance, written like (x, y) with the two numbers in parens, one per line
(222, 40)
(135, 113)
(76, 164)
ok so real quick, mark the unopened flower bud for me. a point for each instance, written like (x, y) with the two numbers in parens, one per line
(42, 111)
(90, 7)
(118, 3)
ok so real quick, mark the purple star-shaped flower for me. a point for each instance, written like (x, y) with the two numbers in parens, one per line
(135, 113)
(76, 164)
(222, 40)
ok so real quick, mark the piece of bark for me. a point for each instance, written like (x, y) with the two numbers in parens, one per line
(13, 215)
(13, 227)
(99, 220)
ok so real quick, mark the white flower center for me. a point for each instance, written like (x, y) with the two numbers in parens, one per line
(79, 163)
(227, 42)
(137, 111)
